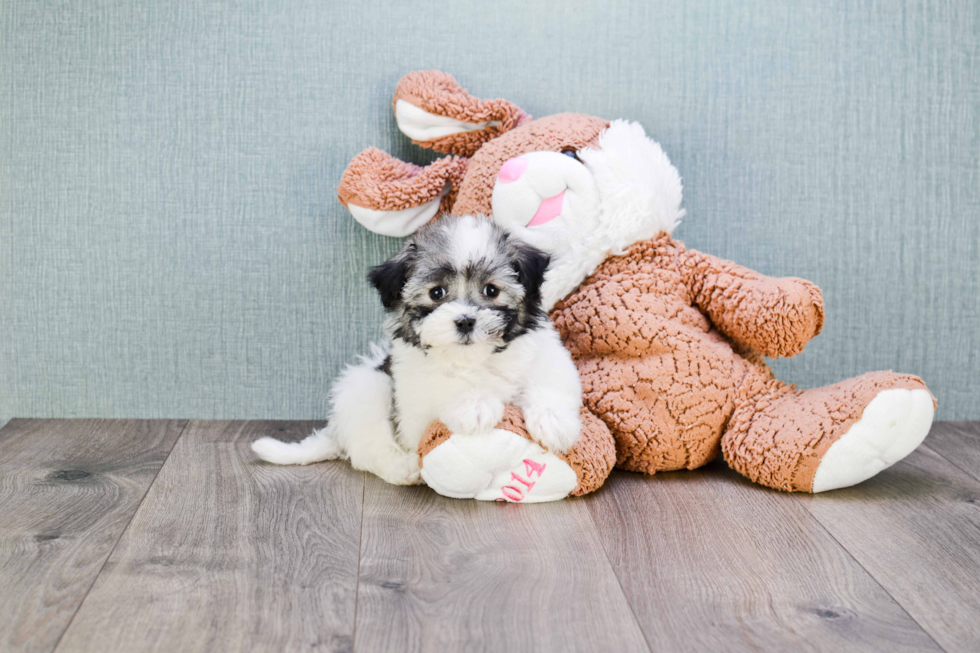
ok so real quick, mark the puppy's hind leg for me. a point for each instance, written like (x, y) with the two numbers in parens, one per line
(329, 443)
(326, 443)
(359, 429)
(362, 409)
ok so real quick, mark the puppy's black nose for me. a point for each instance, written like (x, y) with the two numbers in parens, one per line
(465, 324)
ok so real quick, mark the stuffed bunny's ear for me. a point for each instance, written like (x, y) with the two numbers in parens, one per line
(394, 198)
(435, 112)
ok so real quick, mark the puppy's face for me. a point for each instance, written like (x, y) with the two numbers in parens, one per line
(461, 282)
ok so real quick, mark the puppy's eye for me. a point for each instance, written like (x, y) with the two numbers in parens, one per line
(437, 293)
(491, 290)
(568, 151)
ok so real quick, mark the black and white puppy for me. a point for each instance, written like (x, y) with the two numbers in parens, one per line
(466, 336)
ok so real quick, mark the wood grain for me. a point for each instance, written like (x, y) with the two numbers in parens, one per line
(916, 528)
(227, 553)
(440, 574)
(68, 489)
(709, 561)
(224, 552)
(958, 443)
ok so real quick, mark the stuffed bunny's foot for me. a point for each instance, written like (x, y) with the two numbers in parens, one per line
(497, 466)
(891, 427)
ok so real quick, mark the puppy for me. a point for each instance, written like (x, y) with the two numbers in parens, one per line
(466, 335)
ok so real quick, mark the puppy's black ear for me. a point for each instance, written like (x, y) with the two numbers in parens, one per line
(531, 264)
(390, 277)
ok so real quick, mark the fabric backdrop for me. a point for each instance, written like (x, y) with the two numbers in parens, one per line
(171, 244)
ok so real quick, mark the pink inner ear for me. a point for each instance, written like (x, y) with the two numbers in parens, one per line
(549, 210)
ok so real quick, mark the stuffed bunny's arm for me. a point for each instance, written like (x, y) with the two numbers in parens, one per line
(774, 317)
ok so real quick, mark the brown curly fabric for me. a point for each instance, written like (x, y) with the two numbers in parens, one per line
(778, 434)
(652, 367)
(438, 93)
(592, 457)
(774, 317)
(436, 434)
(376, 180)
(669, 342)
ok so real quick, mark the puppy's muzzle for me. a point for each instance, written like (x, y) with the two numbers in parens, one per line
(465, 324)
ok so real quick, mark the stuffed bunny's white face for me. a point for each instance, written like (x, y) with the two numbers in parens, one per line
(580, 206)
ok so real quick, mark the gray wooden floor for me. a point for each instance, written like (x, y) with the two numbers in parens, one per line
(169, 536)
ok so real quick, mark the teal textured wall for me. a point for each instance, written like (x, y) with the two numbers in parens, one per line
(171, 246)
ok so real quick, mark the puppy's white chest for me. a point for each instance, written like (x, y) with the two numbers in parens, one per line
(425, 386)
(438, 383)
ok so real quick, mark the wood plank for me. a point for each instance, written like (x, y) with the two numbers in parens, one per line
(710, 561)
(440, 574)
(916, 528)
(68, 488)
(959, 443)
(228, 553)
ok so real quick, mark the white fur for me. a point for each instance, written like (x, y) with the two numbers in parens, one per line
(471, 239)
(466, 388)
(439, 329)
(621, 193)
(359, 428)
(640, 189)
(462, 380)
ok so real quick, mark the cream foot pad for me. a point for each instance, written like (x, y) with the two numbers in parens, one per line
(891, 427)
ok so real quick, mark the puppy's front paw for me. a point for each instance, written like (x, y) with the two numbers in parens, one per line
(474, 416)
(400, 470)
(557, 429)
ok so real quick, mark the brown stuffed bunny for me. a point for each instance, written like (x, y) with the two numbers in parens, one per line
(669, 342)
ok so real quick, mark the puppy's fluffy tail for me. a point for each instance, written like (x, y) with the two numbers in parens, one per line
(320, 446)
